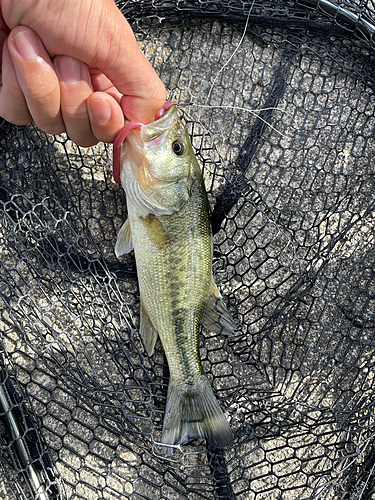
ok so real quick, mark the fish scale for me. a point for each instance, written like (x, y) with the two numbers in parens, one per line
(183, 293)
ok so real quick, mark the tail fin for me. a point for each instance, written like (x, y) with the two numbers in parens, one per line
(193, 412)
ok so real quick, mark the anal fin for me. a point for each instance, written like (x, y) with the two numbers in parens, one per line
(147, 331)
(216, 317)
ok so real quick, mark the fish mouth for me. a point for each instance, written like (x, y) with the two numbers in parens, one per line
(150, 134)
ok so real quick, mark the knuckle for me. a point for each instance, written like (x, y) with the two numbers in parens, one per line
(18, 122)
(53, 129)
(75, 113)
(82, 136)
(54, 126)
(16, 117)
(45, 95)
(87, 143)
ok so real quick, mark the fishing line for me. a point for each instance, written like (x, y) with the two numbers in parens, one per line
(233, 54)
(238, 108)
(247, 110)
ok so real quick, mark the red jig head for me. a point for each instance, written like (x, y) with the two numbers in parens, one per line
(121, 136)
(164, 109)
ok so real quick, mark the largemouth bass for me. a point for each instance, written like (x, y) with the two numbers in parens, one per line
(168, 228)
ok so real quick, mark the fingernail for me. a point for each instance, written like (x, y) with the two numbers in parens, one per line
(70, 70)
(27, 45)
(101, 110)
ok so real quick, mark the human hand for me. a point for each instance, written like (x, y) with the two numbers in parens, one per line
(74, 66)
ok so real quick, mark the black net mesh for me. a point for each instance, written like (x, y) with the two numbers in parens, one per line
(279, 100)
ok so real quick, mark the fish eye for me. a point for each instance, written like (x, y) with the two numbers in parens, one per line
(178, 148)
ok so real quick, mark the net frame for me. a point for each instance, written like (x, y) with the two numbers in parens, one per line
(305, 318)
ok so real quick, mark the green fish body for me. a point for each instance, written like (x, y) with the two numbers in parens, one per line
(168, 228)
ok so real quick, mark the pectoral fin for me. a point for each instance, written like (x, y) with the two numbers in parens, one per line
(124, 240)
(147, 331)
(216, 317)
(156, 232)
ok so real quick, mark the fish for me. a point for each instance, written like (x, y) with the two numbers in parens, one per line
(169, 230)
